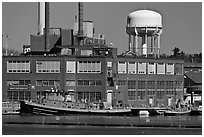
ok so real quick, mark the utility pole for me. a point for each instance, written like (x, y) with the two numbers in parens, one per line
(6, 44)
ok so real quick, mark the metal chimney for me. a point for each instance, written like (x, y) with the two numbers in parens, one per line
(47, 20)
(80, 22)
(41, 18)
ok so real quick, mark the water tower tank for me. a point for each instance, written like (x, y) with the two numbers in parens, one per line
(144, 28)
(143, 18)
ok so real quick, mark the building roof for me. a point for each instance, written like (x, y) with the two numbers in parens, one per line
(196, 77)
(192, 65)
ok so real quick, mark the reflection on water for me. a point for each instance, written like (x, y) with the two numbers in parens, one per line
(182, 121)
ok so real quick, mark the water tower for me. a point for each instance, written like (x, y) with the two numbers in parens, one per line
(144, 28)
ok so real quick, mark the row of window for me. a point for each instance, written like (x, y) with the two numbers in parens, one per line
(18, 66)
(88, 96)
(150, 68)
(150, 84)
(15, 96)
(89, 83)
(131, 84)
(47, 67)
(141, 95)
(47, 83)
(95, 67)
(18, 82)
(89, 67)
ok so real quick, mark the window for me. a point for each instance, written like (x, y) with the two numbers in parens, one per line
(92, 82)
(121, 67)
(47, 66)
(141, 68)
(169, 85)
(151, 68)
(47, 83)
(170, 69)
(109, 64)
(88, 96)
(131, 95)
(70, 83)
(160, 68)
(121, 83)
(86, 83)
(18, 66)
(141, 95)
(170, 92)
(89, 83)
(179, 86)
(71, 66)
(160, 95)
(89, 67)
(151, 92)
(98, 82)
(18, 82)
(151, 85)
(141, 84)
(160, 85)
(86, 52)
(39, 83)
(178, 69)
(51, 82)
(132, 67)
(18, 95)
(131, 84)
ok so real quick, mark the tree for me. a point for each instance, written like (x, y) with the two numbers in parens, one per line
(176, 52)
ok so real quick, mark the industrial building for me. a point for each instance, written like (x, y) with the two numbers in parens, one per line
(82, 64)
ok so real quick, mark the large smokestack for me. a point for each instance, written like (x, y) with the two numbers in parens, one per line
(41, 18)
(80, 22)
(47, 26)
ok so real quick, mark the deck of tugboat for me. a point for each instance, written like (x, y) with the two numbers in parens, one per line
(79, 110)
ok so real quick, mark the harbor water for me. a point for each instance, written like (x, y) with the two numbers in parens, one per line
(104, 122)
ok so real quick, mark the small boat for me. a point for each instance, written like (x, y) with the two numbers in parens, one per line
(176, 113)
(56, 104)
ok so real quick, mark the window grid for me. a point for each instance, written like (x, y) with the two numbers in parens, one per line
(121, 67)
(170, 69)
(132, 67)
(18, 82)
(131, 95)
(15, 96)
(160, 68)
(141, 68)
(47, 66)
(71, 67)
(89, 67)
(151, 68)
(89, 96)
(141, 95)
(18, 66)
(47, 83)
(131, 84)
(89, 82)
(121, 82)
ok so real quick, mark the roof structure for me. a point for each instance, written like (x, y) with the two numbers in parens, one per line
(195, 77)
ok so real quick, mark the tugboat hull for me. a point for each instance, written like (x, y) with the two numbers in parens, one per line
(38, 109)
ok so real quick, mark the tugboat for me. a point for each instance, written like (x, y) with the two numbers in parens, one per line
(61, 103)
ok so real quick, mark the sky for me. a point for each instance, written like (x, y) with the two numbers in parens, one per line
(182, 22)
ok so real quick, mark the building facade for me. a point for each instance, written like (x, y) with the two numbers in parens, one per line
(119, 80)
